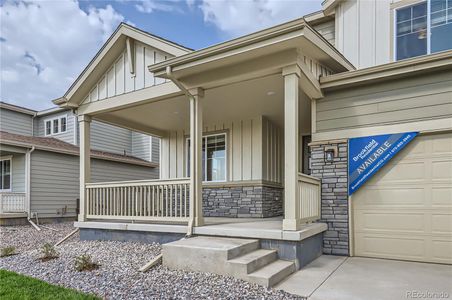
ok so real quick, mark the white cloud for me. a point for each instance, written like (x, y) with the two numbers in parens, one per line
(45, 45)
(238, 17)
(149, 6)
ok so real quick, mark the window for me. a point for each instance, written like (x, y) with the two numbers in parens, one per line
(5, 174)
(213, 157)
(48, 127)
(55, 125)
(423, 28)
(63, 124)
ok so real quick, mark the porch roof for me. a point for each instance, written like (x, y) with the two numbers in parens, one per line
(296, 34)
(55, 145)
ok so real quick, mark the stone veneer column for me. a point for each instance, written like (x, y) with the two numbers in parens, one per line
(334, 196)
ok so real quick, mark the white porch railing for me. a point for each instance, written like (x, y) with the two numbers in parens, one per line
(142, 200)
(12, 202)
(309, 192)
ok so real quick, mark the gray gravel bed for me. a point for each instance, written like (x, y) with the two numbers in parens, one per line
(26, 237)
(118, 276)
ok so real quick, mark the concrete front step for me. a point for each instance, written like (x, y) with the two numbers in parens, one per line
(252, 261)
(240, 258)
(273, 273)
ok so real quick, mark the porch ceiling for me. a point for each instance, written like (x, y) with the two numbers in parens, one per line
(238, 101)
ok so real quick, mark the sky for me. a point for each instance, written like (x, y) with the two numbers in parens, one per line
(45, 44)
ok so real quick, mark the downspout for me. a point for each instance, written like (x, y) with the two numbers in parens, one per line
(28, 187)
(170, 75)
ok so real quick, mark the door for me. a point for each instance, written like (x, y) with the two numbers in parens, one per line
(405, 210)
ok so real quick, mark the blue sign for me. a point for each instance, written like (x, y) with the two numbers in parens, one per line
(366, 155)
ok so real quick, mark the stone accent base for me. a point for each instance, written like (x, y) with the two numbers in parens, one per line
(243, 202)
(334, 196)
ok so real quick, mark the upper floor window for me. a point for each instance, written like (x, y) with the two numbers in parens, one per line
(213, 157)
(423, 28)
(5, 174)
(56, 125)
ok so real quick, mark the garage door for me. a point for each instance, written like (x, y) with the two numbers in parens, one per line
(405, 210)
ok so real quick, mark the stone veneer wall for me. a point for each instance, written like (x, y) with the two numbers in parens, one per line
(242, 201)
(334, 196)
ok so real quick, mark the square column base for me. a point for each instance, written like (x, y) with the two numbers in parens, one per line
(291, 224)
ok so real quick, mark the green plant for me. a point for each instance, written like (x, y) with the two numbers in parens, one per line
(8, 251)
(48, 252)
(85, 263)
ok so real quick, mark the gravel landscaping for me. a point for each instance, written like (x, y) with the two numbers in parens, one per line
(118, 276)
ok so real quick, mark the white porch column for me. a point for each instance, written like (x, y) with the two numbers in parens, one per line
(196, 157)
(85, 161)
(291, 220)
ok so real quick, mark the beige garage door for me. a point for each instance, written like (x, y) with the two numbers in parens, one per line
(405, 210)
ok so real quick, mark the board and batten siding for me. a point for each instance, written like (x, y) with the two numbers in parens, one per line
(15, 122)
(246, 158)
(327, 30)
(363, 31)
(394, 102)
(106, 137)
(71, 126)
(55, 180)
(118, 79)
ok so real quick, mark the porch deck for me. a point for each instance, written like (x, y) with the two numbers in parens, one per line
(268, 228)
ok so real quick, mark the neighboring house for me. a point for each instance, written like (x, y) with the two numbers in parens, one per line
(39, 161)
(260, 126)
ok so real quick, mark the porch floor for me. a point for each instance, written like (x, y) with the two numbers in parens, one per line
(268, 228)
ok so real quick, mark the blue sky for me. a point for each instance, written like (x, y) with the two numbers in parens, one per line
(45, 44)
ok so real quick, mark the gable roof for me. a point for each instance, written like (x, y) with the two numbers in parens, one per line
(110, 51)
(56, 145)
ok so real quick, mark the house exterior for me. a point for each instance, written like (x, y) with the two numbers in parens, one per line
(39, 157)
(260, 128)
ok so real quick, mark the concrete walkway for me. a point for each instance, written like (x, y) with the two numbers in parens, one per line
(335, 277)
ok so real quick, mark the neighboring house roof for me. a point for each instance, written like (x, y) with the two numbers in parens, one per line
(110, 52)
(55, 145)
(17, 108)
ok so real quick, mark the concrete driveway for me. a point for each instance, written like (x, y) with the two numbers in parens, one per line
(335, 277)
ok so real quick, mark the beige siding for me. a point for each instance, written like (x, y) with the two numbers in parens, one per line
(118, 79)
(15, 122)
(363, 31)
(272, 152)
(246, 159)
(395, 102)
(327, 30)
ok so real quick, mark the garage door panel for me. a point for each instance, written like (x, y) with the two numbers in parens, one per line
(441, 196)
(441, 250)
(442, 170)
(441, 223)
(402, 173)
(406, 196)
(405, 210)
(374, 221)
(391, 247)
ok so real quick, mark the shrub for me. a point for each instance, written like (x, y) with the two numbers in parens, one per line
(85, 263)
(48, 252)
(8, 251)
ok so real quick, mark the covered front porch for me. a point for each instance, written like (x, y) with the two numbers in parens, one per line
(234, 122)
